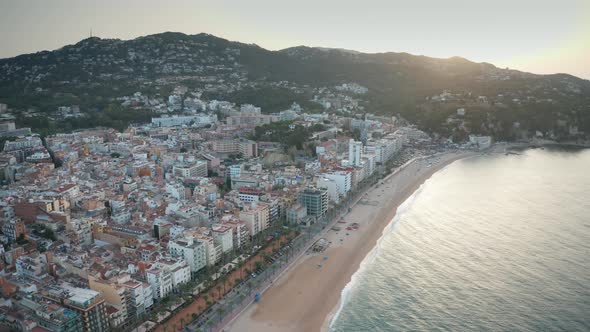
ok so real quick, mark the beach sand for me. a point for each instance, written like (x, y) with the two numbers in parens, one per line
(308, 294)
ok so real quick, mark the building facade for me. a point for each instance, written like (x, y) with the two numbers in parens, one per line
(315, 201)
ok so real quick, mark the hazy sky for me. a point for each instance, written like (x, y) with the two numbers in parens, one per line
(541, 36)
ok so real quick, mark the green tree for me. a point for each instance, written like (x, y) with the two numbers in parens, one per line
(356, 135)
(21, 239)
(258, 265)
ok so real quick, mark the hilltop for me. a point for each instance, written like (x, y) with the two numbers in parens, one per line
(94, 72)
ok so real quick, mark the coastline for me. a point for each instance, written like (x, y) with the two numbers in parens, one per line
(389, 220)
(316, 277)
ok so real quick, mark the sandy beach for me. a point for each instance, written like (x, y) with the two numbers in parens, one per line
(308, 294)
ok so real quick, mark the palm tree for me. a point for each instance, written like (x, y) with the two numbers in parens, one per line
(250, 261)
(188, 318)
(218, 291)
(181, 322)
(258, 265)
(174, 327)
(223, 281)
(240, 265)
(208, 281)
(264, 257)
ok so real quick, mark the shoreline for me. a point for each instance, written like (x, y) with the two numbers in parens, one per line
(325, 276)
(385, 224)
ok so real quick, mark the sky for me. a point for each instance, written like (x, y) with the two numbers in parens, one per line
(539, 36)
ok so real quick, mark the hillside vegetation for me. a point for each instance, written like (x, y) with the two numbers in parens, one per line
(95, 72)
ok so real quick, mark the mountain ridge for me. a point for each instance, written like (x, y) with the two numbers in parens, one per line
(94, 72)
(343, 50)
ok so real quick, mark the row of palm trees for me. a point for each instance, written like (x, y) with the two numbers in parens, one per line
(221, 283)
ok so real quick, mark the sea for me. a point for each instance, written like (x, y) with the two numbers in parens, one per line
(492, 243)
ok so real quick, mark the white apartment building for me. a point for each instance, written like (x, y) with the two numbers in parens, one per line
(32, 266)
(193, 213)
(249, 108)
(384, 149)
(139, 293)
(411, 134)
(223, 235)
(194, 120)
(23, 143)
(176, 231)
(342, 178)
(369, 164)
(235, 170)
(240, 234)
(248, 198)
(192, 250)
(331, 186)
(166, 275)
(481, 142)
(176, 190)
(213, 250)
(355, 149)
(197, 169)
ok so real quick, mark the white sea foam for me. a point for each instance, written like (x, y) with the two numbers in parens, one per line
(370, 258)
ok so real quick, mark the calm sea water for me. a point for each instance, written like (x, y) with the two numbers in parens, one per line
(494, 243)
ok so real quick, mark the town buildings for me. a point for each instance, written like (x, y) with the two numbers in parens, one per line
(86, 303)
(315, 201)
(190, 170)
(115, 222)
(166, 275)
(192, 251)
